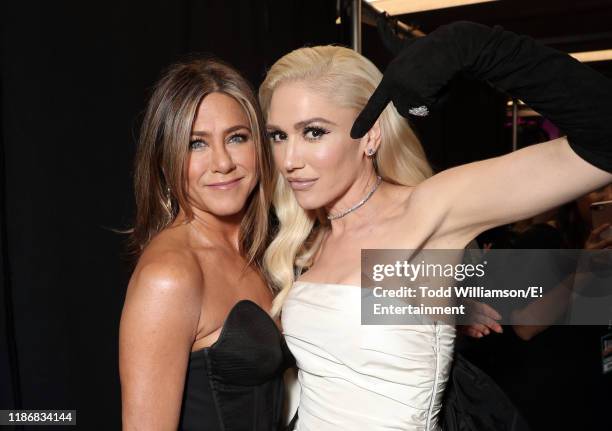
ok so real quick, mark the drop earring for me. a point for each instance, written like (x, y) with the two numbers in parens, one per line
(169, 199)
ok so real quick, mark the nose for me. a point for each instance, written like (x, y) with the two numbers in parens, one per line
(221, 160)
(293, 158)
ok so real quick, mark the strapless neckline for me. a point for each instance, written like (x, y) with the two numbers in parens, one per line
(326, 284)
(389, 376)
(236, 383)
(237, 306)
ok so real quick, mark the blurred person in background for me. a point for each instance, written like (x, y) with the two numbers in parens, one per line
(553, 373)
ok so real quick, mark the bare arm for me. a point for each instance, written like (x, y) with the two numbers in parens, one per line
(158, 327)
(545, 310)
(474, 197)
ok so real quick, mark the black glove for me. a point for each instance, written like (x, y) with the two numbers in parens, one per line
(573, 96)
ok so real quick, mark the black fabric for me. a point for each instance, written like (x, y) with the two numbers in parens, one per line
(473, 402)
(237, 383)
(572, 95)
(75, 78)
(293, 422)
(555, 378)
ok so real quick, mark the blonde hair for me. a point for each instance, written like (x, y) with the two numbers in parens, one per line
(160, 178)
(347, 79)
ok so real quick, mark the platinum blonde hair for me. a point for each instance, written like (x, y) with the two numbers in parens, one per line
(347, 79)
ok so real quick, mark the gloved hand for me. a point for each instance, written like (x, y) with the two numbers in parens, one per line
(572, 95)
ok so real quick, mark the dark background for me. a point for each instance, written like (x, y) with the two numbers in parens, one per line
(75, 80)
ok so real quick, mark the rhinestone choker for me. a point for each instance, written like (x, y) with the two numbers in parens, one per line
(359, 204)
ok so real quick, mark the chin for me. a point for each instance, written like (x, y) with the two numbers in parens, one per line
(228, 205)
(226, 210)
(310, 201)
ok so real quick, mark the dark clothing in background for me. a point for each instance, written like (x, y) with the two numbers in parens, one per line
(555, 379)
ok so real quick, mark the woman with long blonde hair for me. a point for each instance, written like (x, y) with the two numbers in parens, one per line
(337, 194)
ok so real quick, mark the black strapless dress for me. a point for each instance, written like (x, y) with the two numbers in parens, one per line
(237, 383)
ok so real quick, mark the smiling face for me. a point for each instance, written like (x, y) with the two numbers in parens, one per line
(312, 147)
(222, 165)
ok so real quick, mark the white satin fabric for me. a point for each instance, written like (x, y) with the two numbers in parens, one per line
(354, 377)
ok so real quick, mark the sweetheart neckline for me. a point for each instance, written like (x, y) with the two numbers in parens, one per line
(233, 310)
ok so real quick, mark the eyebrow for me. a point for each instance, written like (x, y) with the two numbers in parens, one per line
(301, 124)
(225, 132)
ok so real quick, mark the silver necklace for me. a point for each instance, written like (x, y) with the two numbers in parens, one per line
(360, 203)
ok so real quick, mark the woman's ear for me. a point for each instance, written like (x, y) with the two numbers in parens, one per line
(371, 140)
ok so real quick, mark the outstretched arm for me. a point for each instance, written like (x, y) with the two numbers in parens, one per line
(474, 197)
(480, 195)
(570, 94)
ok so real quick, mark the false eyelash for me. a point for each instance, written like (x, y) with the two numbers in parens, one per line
(271, 133)
(317, 129)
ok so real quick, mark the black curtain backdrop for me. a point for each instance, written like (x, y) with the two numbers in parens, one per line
(75, 80)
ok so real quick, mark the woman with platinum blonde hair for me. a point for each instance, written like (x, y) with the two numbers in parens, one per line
(354, 178)
(349, 79)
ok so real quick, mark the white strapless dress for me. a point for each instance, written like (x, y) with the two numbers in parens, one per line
(354, 377)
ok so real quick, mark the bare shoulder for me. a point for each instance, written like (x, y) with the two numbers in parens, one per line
(163, 302)
(159, 323)
(168, 268)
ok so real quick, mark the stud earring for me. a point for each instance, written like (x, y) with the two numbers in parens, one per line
(370, 152)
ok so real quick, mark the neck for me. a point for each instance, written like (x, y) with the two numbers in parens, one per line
(357, 192)
(215, 228)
